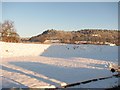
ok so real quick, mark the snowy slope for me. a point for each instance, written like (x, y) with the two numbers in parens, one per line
(101, 52)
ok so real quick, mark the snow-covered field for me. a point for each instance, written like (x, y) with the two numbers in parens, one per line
(20, 49)
(50, 66)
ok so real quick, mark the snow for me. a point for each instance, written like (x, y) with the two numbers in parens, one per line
(50, 66)
(107, 83)
(101, 52)
(20, 49)
(6, 82)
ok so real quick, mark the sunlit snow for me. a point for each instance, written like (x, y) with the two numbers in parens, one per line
(55, 65)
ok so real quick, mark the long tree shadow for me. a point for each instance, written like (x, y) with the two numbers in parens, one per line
(7, 83)
(64, 74)
(32, 76)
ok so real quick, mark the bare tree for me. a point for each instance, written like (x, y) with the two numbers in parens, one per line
(8, 32)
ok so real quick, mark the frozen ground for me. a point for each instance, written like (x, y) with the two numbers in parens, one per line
(20, 49)
(101, 52)
(50, 66)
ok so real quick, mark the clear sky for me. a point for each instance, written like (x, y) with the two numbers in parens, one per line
(32, 18)
(60, 0)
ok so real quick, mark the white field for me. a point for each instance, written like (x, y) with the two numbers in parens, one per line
(50, 66)
(16, 50)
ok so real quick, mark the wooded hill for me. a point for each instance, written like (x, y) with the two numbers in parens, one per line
(92, 36)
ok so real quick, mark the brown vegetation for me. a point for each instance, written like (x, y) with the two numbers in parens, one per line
(92, 36)
(8, 32)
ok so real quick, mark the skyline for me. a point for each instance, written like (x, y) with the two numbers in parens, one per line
(33, 18)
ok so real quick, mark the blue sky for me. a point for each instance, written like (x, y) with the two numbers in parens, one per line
(33, 18)
(60, 0)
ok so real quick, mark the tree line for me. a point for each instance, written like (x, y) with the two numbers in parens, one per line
(92, 36)
(8, 33)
